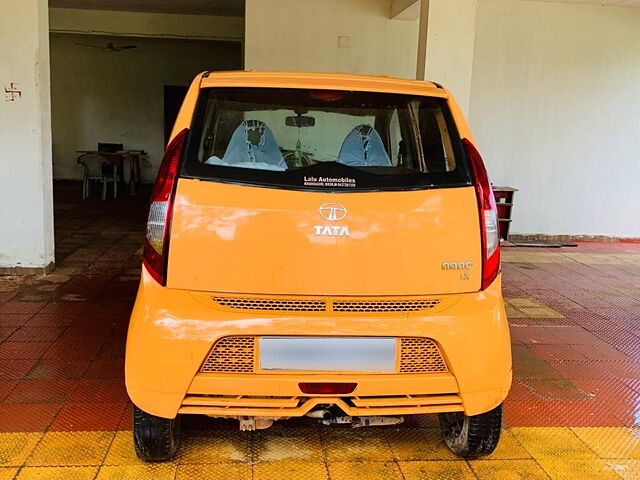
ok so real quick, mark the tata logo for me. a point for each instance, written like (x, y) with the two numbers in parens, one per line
(332, 212)
(457, 265)
(331, 230)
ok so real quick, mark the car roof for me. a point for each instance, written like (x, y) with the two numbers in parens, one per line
(321, 81)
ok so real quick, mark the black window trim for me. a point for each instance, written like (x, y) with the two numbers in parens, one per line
(193, 140)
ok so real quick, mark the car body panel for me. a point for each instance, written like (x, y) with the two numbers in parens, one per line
(237, 238)
(172, 331)
(321, 81)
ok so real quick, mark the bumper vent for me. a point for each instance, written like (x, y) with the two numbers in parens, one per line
(420, 355)
(384, 306)
(231, 355)
(338, 305)
(238, 355)
(272, 305)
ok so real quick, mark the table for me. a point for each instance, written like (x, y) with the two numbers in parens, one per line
(117, 159)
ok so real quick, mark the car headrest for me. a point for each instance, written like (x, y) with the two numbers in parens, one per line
(363, 147)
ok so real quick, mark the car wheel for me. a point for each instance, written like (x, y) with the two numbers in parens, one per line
(155, 438)
(472, 436)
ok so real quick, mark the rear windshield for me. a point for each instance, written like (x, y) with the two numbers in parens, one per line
(324, 140)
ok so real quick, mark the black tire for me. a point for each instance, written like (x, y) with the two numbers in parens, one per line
(155, 438)
(472, 436)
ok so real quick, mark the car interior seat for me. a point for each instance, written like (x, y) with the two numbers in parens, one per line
(363, 147)
(252, 145)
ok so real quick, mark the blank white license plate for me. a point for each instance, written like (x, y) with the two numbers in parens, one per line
(342, 354)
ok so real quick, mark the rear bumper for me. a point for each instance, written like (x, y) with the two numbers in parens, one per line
(172, 331)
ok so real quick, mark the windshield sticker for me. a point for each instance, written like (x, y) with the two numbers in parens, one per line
(329, 182)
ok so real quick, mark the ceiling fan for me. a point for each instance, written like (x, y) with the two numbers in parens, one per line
(110, 47)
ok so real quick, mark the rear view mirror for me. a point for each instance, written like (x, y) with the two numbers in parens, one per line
(300, 121)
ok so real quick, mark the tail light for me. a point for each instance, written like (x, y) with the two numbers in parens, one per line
(156, 243)
(488, 215)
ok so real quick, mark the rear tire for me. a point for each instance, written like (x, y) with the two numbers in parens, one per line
(155, 438)
(472, 436)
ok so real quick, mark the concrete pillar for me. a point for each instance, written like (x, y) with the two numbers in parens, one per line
(26, 197)
(445, 45)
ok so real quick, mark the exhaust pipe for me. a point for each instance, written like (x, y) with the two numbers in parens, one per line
(327, 417)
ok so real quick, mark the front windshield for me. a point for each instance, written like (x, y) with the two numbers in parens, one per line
(324, 138)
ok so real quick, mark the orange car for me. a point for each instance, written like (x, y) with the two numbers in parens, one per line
(322, 245)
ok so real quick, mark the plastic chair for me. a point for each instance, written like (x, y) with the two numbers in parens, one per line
(94, 171)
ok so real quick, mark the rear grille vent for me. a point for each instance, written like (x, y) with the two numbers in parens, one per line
(231, 355)
(238, 354)
(420, 355)
(261, 304)
(384, 306)
(274, 305)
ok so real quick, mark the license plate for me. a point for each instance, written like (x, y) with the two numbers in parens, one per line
(329, 354)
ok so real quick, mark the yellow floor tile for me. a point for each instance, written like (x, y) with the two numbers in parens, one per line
(137, 472)
(226, 471)
(418, 444)
(57, 473)
(529, 308)
(522, 302)
(569, 469)
(611, 442)
(71, 448)
(508, 470)
(8, 473)
(509, 448)
(300, 444)
(290, 470)
(454, 470)
(552, 442)
(513, 312)
(121, 451)
(364, 470)
(356, 445)
(626, 469)
(218, 446)
(15, 448)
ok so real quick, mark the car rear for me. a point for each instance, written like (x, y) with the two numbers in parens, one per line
(321, 245)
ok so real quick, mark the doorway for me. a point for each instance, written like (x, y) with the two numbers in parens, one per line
(173, 97)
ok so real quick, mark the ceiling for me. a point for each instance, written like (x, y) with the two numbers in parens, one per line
(234, 8)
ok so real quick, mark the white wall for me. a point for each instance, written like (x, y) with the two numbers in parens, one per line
(26, 204)
(304, 35)
(118, 97)
(555, 107)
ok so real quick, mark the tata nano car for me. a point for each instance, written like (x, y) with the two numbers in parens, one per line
(319, 245)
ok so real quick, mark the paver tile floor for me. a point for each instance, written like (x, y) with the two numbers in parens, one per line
(573, 411)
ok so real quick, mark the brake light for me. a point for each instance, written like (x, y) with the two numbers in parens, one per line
(156, 243)
(327, 388)
(488, 215)
(326, 95)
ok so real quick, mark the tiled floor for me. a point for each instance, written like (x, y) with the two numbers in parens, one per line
(573, 412)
